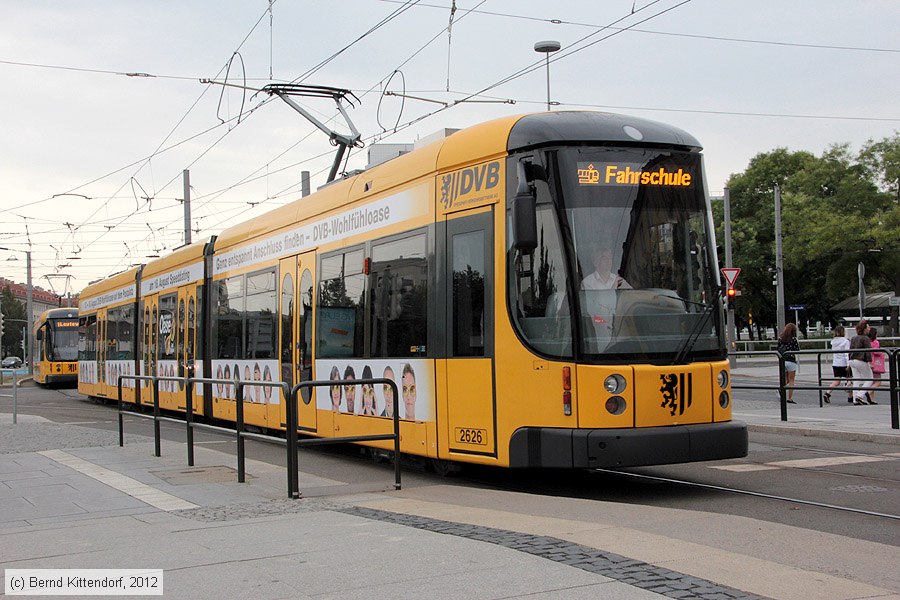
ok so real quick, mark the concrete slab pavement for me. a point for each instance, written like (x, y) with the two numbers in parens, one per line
(102, 506)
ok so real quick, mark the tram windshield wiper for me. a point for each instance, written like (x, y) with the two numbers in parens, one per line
(688, 344)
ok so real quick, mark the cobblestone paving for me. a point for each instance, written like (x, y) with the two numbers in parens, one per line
(264, 508)
(620, 568)
(633, 572)
(36, 437)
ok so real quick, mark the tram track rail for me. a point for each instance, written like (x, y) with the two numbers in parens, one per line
(731, 490)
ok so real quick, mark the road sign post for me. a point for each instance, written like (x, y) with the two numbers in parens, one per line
(731, 275)
(797, 308)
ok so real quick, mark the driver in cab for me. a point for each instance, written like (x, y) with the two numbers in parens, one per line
(603, 278)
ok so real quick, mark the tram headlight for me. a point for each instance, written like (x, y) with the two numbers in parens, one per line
(614, 384)
(723, 379)
(615, 405)
(724, 400)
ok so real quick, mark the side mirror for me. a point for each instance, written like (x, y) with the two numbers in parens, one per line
(39, 334)
(524, 213)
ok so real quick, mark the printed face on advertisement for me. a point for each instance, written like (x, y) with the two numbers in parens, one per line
(409, 392)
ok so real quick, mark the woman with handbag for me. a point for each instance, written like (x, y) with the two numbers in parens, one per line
(860, 364)
(787, 346)
(877, 364)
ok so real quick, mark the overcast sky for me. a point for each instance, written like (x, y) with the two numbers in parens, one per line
(103, 100)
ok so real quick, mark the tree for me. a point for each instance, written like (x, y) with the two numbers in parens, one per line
(13, 322)
(837, 210)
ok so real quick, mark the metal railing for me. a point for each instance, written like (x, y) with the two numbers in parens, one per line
(291, 441)
(892, 364)
(756, 345)
(15, 392)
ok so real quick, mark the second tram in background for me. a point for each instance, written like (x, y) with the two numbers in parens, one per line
(56, 346)
(543, 289)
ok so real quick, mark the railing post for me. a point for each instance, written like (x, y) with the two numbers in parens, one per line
(15, 396)
(239, 427)
(121, 417)
(189, 418)
(819, 368)
(156, 430)
(290, 432)
(396, 434)
(782, 383)
(894, 378)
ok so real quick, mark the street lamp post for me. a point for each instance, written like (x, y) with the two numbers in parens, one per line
(547, 47)
(731, 330)
(779, 265)
(29, 306)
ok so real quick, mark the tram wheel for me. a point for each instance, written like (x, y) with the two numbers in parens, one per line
(381, 456)
(442, 467)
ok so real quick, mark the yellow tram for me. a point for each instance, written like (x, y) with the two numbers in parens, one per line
(543, 289)
(56, 346)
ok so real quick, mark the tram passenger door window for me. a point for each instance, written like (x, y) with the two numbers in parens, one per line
(296, 331)
(154, 318)
(101, 352)
(471, 426)
(181, 365)
(304, 366)
(146, 325)
(286, 302)
(189, 348)
(186, 322)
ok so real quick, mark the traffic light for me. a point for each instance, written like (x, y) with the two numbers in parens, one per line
(731, 294)
(1, 323)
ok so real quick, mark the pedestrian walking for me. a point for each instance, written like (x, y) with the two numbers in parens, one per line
(787, 346)
(877, 364)
(860, 364)
(840, 363)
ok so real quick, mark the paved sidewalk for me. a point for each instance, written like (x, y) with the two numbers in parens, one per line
(838, 420)
(71, 498)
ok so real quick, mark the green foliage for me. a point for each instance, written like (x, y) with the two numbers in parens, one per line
(838, 209)
(14, 319)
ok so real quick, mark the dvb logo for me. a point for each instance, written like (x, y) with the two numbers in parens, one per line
(460, 184)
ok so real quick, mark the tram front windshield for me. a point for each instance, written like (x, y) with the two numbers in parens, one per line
(624, 243)
(62, 345)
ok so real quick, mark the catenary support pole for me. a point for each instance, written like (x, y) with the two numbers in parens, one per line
(732, 328)
(187, 206)
(779, 264)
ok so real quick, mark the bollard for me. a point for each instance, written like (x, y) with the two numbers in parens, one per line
(15, 397)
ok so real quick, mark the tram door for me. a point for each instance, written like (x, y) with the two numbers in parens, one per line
(186, 331)
(148, 346)
(471, 422)
(103, 384)
(296, 333)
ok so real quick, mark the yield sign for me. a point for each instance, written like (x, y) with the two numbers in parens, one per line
(731, 275)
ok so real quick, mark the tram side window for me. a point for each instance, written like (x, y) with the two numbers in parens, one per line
(399, 284)
(112, 342)
(261, 312)
(228, 325)
(120, 322)
(87, 339)
(341, 301)
(125, 334)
